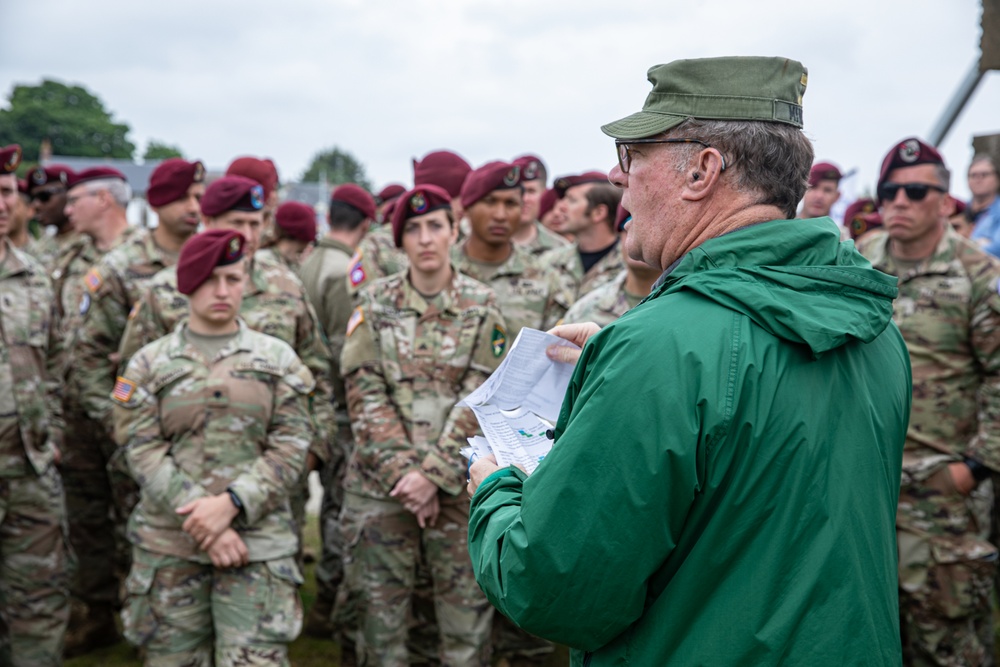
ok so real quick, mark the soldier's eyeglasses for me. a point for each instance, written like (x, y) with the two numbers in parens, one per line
(914, 191)
(625, 151)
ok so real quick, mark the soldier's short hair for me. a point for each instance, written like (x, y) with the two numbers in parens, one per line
(118, 189)
(606, 194)
(344, 216)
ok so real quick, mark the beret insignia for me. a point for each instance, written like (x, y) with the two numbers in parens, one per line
(233, 249)
(531, 170)
(38, 176)
(199, 172)
(418, 203)
(512, 177)
(14, 160)
(909, 151)
(257, 197)
(561, 184)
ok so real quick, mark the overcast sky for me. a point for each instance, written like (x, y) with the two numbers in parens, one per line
(389, 80)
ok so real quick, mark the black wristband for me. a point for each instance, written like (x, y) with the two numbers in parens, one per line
(978, 470)
(235, 499)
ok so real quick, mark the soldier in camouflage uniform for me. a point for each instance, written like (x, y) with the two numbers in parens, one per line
(418, 344)
(274, 302)
(324, 275)
(532, 235)
(214, 419)
(47, 188)
(588, 204)
(34, 577)
(376, 256)
(385, 200)
(948, 311)
(607, 303)
(294, 235)
(528, 293)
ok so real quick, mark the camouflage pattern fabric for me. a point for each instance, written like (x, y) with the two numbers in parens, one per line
(188, 614)
(192, 428)
(376, 257)
(567, 263)
(526, 289)
(603, 305)
(544, 241)
(406, 364)
(34, 577)
(270, 255)
(948, 311)
(46, 249)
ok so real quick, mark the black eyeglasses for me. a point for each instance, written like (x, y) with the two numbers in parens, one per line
(914, 191)
(625, 153)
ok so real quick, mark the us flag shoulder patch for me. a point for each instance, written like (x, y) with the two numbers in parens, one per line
(94, 280)
(123, 390)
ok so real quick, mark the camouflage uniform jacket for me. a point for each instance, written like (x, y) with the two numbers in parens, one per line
(47, 249)
(603, 305)
(528, 294)
(948, 311)
(406, 364)
(31, 424)
(324, 274)
(274, 303)
(544, 240)
(114, 285)
(376, 257)
(272, 256)
(194, 428)
(566, 262)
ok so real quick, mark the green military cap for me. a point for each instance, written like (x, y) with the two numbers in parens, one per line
(733, 88)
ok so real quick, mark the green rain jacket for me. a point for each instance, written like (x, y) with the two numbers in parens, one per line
(722, 488)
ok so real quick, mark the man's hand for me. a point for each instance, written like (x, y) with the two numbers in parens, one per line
(229, 550)
(414, 491)
(428, 514)
(962, 476)
(480, 470)
(574, 333)
(209, 518)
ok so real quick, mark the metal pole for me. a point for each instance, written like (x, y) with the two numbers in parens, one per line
(956, 104)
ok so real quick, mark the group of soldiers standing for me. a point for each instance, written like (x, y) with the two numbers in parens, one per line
(167, 391)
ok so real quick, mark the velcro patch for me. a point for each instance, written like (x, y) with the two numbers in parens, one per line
(357, 317)
(357, 273)
(123, 390)
(93, 280)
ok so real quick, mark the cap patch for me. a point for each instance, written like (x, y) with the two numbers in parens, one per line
(909, 150)
(531, 170)
(257, 197)
(561, 184)
(94, 280)
(123, 390)
(498, 341)
(38, 176)
(418, 203)
(199, 172)
(233, 249)
(14, 160)
(512, 177)
(357, 317)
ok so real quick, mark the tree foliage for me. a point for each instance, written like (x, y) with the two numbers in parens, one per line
(157, 150)
(339, 166)
(70, 117)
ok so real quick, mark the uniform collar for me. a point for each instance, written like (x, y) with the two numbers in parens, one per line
(327, 242)
(14, 262)
(411, 299)
(180, 347)
(941, 261)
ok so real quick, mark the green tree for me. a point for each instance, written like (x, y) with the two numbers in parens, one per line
(157, 150)
(340, 167)
(70, 117)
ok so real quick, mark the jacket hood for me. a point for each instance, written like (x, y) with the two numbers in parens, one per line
(795, 279)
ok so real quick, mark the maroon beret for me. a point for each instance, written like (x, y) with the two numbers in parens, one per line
(53, 173)
(442, 168)
(203, 252)
(297, 221)
(262, 171)
(491, 176)
(622, 217)
(10, 158)
(861, 216)
(532, 167)
(171, 179)
(356, 196)
(389, 192)
(824, 171)
(418, 201)
(22, 187)
(232, 193)
(94, 174)
(547, 202)
(960, 206)
(564, 183)
(908, 153)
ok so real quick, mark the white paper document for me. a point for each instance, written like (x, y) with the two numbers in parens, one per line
(520, 402)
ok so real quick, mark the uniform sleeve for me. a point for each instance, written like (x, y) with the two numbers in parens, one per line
(96, 351)
(144, 326)
(382, 445)
(611, 497)
(985, 341)
(54, 380)
(559, 301)
(314, 352)
(147, 452)
(279, 467)
(445, 465)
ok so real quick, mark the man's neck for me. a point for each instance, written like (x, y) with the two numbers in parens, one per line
(3, 247)
(716, 223)
(109, 231)
(166, 241)
(918, 249)
(430, 284)
(20, 238)
(640, 282)
(349, 238)
(981, 202)
(526, 233)
(595, 238)
(209, 328)
(484, 252)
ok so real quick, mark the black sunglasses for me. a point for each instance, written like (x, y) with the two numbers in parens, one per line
(45, 195)
(914, 191)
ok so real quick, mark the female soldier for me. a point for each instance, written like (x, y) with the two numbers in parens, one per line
(419, 342)
(215, 420)
(294, 235)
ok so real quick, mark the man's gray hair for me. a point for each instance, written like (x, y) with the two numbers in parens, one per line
(943, 175)
(119, 190)
(770, 160)
(983, 157)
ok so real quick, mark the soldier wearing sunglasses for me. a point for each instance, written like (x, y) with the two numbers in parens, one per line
(948, 311)
(47, 189)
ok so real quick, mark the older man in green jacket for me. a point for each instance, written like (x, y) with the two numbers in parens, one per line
(723, 485)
